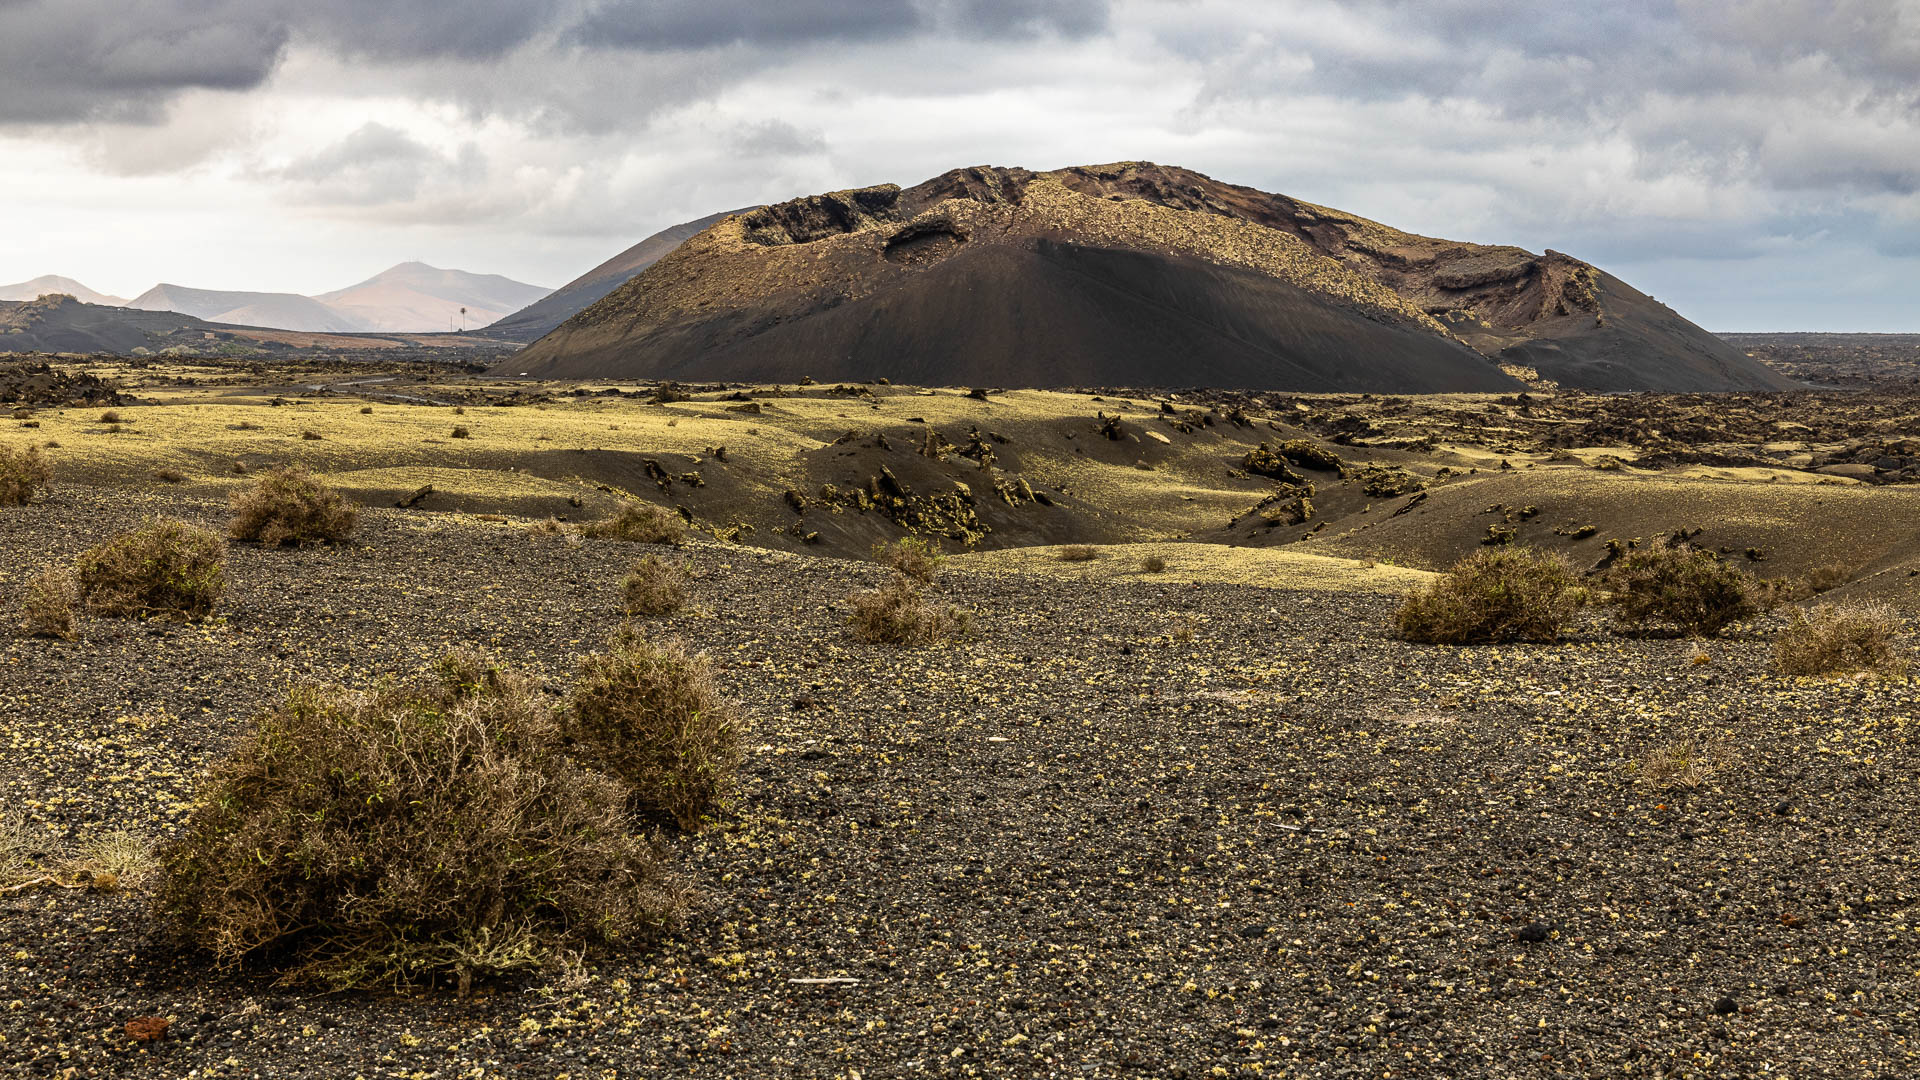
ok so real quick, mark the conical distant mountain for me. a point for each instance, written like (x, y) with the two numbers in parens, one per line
(1130, 274)
(50, 284)
(416, 297)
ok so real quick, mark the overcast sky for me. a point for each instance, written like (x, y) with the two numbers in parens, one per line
(1755, 163)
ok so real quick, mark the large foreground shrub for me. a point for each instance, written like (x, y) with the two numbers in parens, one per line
(165, 568)
(1853, 636)
(408, 833)
(289, 506)
(23, 474)
(650, 714)
(1679, 588)
(1494, 595)
(898, 614)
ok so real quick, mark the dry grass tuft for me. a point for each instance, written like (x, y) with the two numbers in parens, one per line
(169, 476)
(1680, 588)
(910, 556)
(898, 614)
(650, 715)
(23, 474)
(1077, 553)
(290, 506)
(1834, 639)
(165, 568)
(48, 608)
(118, 860)
(640, 523)
(1684, 763)
(1494, 595)
(16, 859)
(461, 433)
(1153, 564)
(410, 833)
(654, 587)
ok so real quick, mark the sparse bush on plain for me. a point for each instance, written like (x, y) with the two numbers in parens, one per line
(410, 833)
(640, 523)
(912, 557)
(290, 506)
(1508, 593)
(1836, 639)
(1679, 588)
(654, 587)
(1827, 576)
(110, 417)
(24, 473)
(48, 609)
(1077, 553)
(649, 714)
(169, 476)
(1153, 564)
(1684, 764)
(166, 568)
(461, 433)
(898, 613)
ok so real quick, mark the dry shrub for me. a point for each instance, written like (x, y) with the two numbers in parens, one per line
(169, 476)
(1494, 595)
(16, 852)
(110, 417)
(897, 614)
(366, 410)
(1077, 553)
(24, 473)
(650, 715)
(1827, 576)
(549, 526)
(47, 610)
(165, 568)
(1853, 636)
(1153, 564)
(640, 523)
(654, 587)
(1684, 763)
(409, 833)
(461, 433)
(289, 506)
(117, 860)
(1679, 588)
(910, 556)
(312, 436)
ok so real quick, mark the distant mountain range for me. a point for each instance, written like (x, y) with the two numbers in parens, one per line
(409, 298)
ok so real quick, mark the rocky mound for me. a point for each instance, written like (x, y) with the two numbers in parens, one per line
(1122, 274)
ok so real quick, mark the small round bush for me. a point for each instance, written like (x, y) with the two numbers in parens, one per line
(897, 614)
(289, 506)
(640, 523)
(165, 568)
(1153, 564)
(910, 556)
(47, 610)
(650, 715)
(1077, 553)
(410, 833)
(24, 473)
(654, 587)
(1833, 639)
(1494, 595)
(1680, 589)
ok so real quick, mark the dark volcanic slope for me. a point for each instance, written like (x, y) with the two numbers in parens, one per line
(1121, 273)
(59, 323)
(575, 296)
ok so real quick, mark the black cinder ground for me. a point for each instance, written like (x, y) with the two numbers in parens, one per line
(1071, 845)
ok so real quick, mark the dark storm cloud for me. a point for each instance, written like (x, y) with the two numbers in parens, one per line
(66, 60)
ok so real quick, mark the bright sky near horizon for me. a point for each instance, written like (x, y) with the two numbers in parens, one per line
(1754, 163)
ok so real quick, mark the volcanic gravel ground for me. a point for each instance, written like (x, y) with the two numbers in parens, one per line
(1073, 845)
